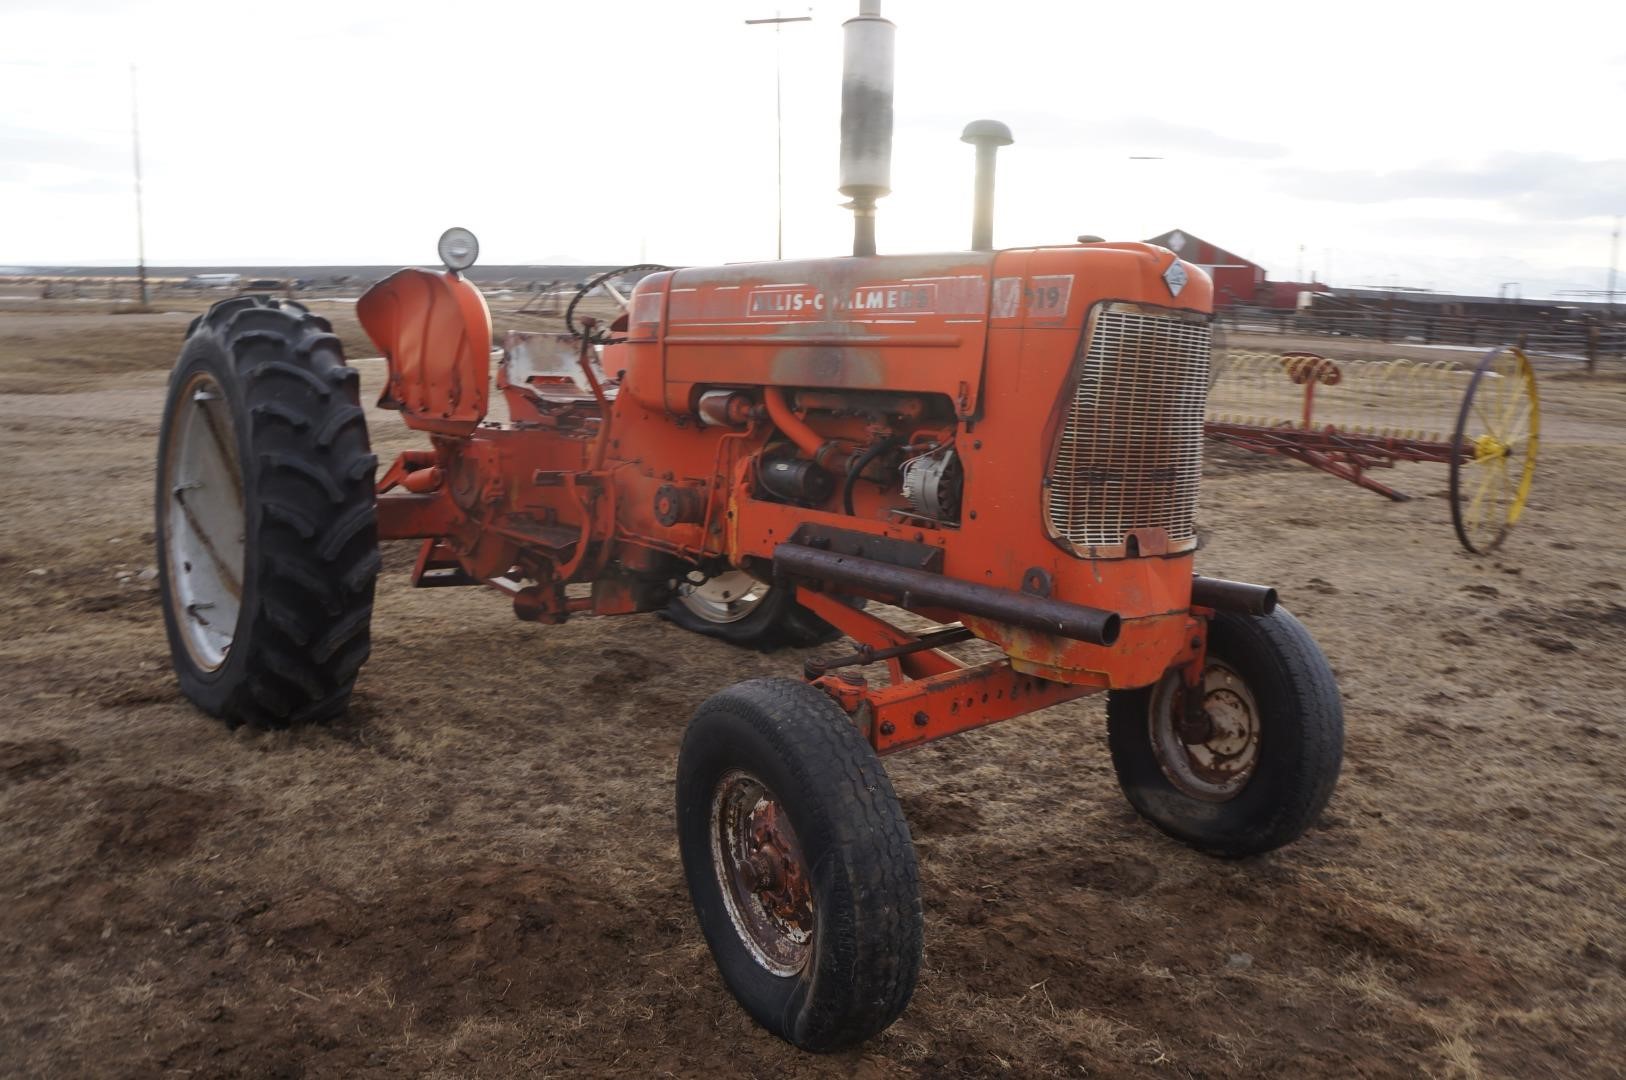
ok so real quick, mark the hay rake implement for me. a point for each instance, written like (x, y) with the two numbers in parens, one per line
(1348, 417)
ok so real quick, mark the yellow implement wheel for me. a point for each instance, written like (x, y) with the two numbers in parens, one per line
(1494, 449)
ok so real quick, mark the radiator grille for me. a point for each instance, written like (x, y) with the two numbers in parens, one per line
(1130, 450)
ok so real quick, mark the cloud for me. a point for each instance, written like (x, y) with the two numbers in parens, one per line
(22, 147)
(91, 185)
(1136, 134)
(1542, 185)
(1154, 136)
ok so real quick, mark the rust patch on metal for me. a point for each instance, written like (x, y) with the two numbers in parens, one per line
(827, 366)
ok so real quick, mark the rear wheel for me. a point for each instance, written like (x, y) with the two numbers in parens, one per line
(799, 863)
(267, 542)
(739, 609)
(1253, 764)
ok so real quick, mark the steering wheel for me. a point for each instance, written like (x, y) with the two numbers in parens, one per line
(570, 312)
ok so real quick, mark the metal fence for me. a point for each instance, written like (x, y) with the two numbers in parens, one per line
(1587, 340)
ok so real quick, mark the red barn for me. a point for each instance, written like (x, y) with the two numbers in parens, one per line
(1236, 280)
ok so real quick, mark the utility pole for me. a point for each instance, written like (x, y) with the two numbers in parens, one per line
(135, 151)
(1614, 261)
(779, 119)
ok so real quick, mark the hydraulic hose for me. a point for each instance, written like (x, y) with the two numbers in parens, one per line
(859, 464)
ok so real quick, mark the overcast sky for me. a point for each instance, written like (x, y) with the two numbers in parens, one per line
(1452, 145)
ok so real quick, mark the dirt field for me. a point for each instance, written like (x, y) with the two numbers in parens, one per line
(475, 874)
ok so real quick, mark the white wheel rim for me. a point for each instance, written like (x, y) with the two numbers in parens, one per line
(204, 524)
(726, 598)
(1214, 759)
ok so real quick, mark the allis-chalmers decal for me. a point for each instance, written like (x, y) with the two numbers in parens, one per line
(790, 301)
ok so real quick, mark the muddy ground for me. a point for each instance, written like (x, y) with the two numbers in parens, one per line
(475, 875)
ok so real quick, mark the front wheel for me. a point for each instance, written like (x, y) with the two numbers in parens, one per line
(799, 863)
(1253, 764)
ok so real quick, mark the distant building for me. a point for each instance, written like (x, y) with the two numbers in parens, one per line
(1237, 281)
(1454, 305)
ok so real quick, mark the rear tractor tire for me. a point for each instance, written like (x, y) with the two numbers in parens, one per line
(1256, 765)
(799, 863)
(737, 608)
(266, 529)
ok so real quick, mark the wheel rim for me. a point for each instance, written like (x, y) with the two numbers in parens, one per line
(762, 873)
(204, 522)
(1212, 755)
(725, 598)
(1498, 430)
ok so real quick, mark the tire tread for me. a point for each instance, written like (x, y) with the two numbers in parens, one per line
(305, 632)
(1299, 783)
(845, 790)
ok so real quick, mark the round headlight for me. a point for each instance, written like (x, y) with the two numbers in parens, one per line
(458, 249)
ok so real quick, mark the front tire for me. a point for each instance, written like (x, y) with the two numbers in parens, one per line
(1256, 765)
(266, 534)
(799, 863)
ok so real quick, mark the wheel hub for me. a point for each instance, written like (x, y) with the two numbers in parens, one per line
(1208, 749)
(763, 875)
(1489, 447)
(724, 598)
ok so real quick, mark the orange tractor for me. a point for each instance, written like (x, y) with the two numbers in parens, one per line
(1006, 444)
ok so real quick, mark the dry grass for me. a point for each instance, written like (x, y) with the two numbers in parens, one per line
(474, 874)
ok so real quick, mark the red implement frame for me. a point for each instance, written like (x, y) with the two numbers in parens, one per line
(1336, 452)
(1344, 454)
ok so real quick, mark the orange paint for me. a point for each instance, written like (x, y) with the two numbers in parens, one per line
(435, 333)
(977, 353)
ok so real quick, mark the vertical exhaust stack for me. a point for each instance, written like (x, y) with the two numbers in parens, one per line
(987, 136)
(866, 118)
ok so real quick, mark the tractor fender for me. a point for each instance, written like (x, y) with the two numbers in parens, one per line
(434, 330)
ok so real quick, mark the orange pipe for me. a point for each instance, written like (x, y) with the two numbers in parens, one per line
(423, 481)
(829, 455)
